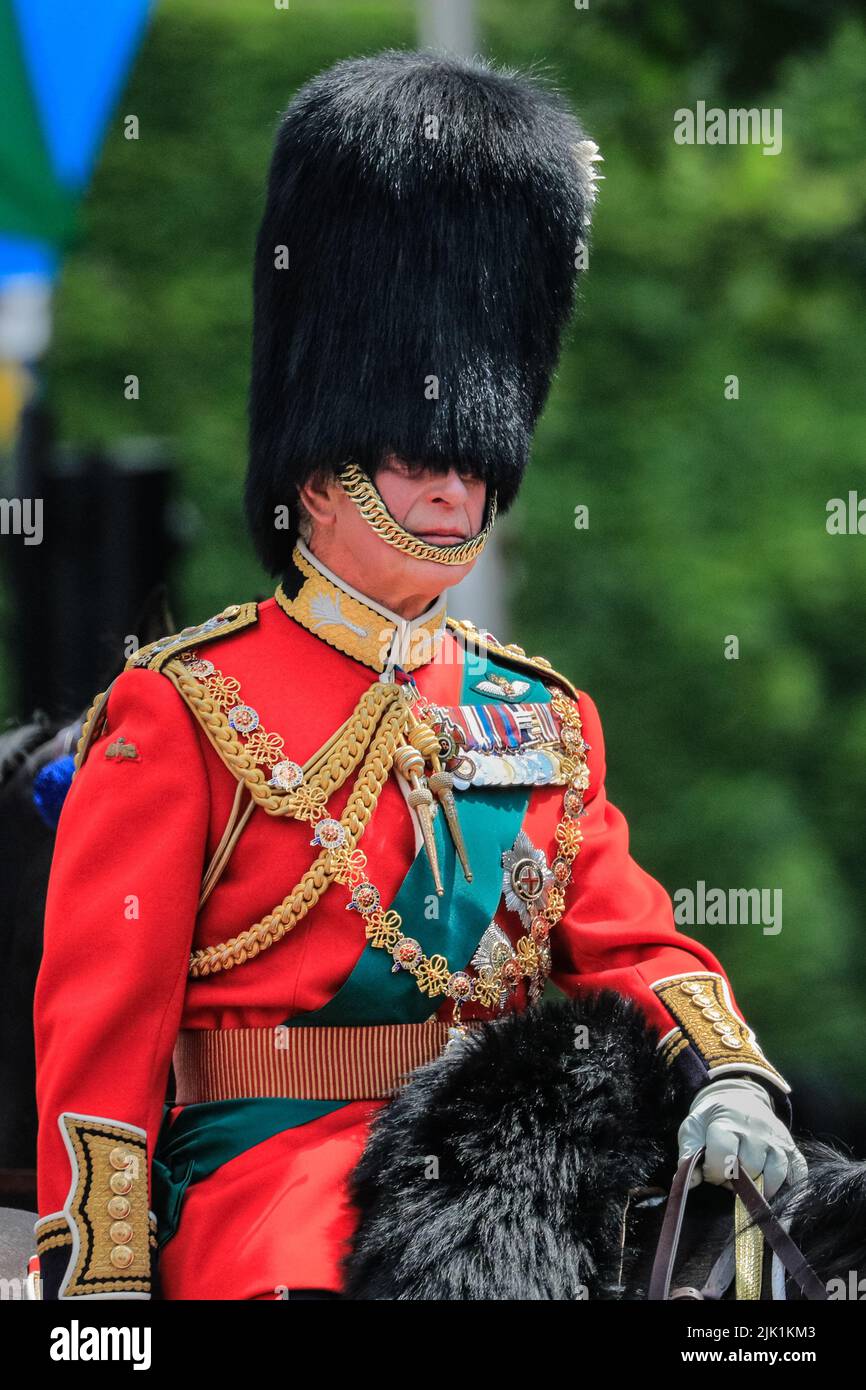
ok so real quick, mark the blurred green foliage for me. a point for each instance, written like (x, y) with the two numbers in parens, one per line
(707, 515)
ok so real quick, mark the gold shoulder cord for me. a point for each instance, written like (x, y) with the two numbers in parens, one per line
(370, 737)
(325, 771)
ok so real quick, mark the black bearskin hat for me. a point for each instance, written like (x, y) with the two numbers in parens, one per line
(415, 267)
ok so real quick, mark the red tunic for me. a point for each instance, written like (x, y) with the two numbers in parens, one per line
(134, 838)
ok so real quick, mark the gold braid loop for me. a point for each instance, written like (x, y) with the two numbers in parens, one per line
(359, 808)
(328, 768)
(92, 726)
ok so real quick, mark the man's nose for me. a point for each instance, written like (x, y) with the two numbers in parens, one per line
(449, 486)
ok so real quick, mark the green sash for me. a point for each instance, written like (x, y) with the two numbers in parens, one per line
(205, 1136)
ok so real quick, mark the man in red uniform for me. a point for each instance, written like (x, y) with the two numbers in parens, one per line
(309, 838)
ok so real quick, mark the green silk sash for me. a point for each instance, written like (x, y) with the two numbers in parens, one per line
(205, 1136)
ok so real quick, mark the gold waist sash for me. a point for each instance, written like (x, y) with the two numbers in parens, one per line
(303, 1063)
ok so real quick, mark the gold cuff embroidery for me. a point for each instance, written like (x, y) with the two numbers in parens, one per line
(50, 1232)
(702, 1007)
(110, 1225)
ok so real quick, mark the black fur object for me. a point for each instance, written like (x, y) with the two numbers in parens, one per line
(827, 1215)
(432, 208)
(536, 1142)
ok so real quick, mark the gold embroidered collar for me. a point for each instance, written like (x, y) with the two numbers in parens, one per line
(357, 625)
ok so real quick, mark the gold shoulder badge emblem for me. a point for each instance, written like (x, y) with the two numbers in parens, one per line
(501, 688)
(539, 665)
(122, 748)
(232, 619)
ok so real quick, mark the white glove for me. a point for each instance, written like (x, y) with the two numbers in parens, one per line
(734, 1118)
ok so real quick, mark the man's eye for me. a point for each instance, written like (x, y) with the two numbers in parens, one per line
(414, 470)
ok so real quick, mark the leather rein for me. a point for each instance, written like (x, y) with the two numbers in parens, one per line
(722, 1272)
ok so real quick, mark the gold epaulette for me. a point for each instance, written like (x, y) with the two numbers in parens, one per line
(155, 655)
(231, 619)
(511, 653)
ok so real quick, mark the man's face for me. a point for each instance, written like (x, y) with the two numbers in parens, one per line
(441, 507)
(444, 508)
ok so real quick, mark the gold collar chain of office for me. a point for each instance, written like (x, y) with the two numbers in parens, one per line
(530, 956)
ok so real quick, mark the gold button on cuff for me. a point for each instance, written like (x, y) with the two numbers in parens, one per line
(121, 1257)
(119, 1158)
(118, 1208)
(120, 1232)
(120, 1183)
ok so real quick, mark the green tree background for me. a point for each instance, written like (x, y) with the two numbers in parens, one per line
(707, 515)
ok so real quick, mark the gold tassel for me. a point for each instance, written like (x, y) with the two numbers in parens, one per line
(442, 784)
(422, 737)
(410, 764)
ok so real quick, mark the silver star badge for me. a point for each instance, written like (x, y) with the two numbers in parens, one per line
(526, 877)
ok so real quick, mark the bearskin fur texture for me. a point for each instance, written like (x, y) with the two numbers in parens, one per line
(826, 1217)
(431, 208)
(502, 1170)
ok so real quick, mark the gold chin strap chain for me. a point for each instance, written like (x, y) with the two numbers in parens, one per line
(370, 504)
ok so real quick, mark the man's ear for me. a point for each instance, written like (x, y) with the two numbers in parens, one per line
(315, 494)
